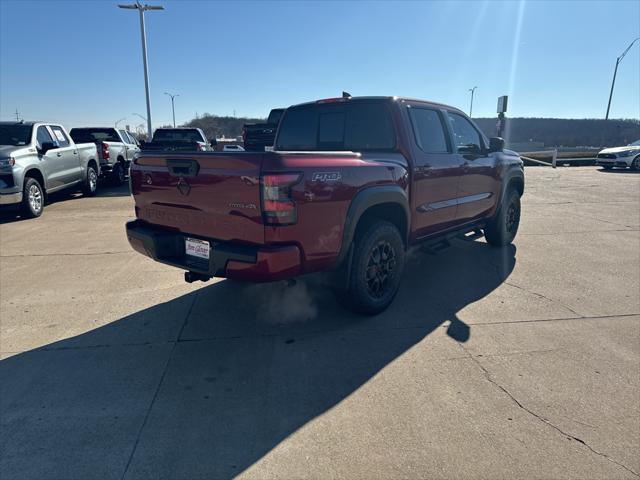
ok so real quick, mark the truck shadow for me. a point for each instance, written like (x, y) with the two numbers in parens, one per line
(234, 385)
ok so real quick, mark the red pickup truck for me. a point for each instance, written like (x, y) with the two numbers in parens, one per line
(352, 184)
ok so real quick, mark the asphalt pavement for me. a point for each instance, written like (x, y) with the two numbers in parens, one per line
(522, 362)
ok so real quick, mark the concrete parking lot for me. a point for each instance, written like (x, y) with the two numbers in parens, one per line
(514, 363)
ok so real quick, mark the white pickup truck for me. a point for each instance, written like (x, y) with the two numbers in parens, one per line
(116, 149)
(40, 158)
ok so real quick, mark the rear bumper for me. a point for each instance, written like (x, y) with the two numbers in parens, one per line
(228, 260)
(10, 198)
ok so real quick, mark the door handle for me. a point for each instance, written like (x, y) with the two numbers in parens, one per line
(58, 154)
(75, 152)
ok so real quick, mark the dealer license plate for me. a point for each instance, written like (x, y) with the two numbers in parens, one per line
(197, 248)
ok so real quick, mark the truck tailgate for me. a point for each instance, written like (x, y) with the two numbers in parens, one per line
(212, 195)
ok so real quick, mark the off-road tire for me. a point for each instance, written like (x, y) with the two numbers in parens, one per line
(503, 227)
(377, 263)
(32, 198)
(90, 185)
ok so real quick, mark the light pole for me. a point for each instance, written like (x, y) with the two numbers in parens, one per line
(173, 110)
(121, 120)
(141, 9)
(615, 71)
(472, 90)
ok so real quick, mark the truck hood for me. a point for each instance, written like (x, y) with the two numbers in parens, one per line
(620, 149)
(13, 151)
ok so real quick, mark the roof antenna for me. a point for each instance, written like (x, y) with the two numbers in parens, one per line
(346, 95)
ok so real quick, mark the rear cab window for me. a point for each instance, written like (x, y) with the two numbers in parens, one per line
(364, 125)
(94, 135)
(180, 135)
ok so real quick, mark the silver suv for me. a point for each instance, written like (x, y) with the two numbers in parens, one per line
(40, 158)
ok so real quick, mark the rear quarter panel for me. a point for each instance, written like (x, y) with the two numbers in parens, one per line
(330, 182)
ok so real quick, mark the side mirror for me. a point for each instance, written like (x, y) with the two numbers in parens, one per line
(470, 149)
(46, 146)
(496, 144)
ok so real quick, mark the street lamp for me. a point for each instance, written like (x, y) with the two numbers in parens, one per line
(173, 110)
(141, 9)
(472, 90)
(121, 120)
(615, 71)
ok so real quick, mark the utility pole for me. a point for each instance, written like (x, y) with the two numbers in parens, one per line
(472, 90)
(173, 110)
(141, 9)
(615, 71)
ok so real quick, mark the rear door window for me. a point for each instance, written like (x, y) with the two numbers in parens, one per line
(62, 139)
(429, 130)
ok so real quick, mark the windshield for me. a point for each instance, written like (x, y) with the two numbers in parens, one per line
(635, 144)
(17, 134)
(358, 126)
(178, 134)
(93, 135)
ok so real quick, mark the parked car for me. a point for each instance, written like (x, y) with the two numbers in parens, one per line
(179, 139)
(259, 136)
(352, 183)
(233, 148)
(626, 157)
(37, 159)
(116, 149)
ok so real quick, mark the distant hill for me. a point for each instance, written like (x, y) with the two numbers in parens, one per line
(557, 132)
(214, 126)
(550, 132)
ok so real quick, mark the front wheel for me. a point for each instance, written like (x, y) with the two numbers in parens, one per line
(635, 165)
(90, 186)
(502, 228)
(376, 268)
(32, 198)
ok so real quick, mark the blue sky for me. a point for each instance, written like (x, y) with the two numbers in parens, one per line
(79, 62)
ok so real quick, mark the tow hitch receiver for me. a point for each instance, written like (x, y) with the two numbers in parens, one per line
(191, 277)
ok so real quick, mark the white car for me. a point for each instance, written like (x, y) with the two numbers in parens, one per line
(628, 156)
(232, 148)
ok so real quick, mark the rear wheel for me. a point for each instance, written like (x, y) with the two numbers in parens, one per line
(376, 268)
(502, 228)
(118, 174)
(90, 186)
(32, 198)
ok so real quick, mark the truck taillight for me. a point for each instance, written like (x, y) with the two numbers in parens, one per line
(278, 207)
(105, 151)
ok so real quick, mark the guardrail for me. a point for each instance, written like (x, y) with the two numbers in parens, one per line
(558, 158)
(554, 158)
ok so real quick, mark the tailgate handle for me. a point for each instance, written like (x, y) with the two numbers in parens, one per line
(183, 168)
